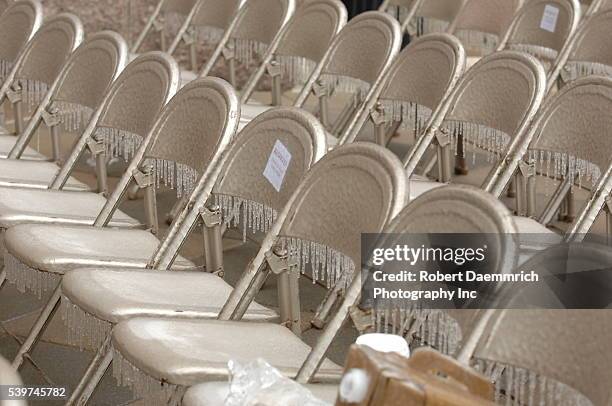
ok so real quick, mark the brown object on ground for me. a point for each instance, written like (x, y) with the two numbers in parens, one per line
(427, 378)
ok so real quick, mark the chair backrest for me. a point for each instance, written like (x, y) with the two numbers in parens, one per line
(358, 59)
(458, 209)
(45, 54)
(129, 109)
(420, 79)
(492, 107)
(550, 354)
(587, 53)
(480, 24)
(595, 6)
(18, 23)
(301, 46)
(249, 194)
(80, 87)
(542, 28)
(254, 29)
(211, 18)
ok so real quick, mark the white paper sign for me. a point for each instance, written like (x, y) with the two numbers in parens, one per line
(277, 165)
(549, 18)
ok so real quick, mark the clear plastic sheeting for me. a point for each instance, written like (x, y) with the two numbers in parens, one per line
(257, 383)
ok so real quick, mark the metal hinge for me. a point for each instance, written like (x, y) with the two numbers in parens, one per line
(273, 68)
(51, 116)
(143, 180)
(211, 215)
(441, 137)
(279, 262)
(14, 92)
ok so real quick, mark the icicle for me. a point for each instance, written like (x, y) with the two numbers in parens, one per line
(249, 215)
(576, 69)
(247, 51)
(152, 391)
(84, 330)
(34, 91)
(345, 84)
(296, 70)
(565, 165)
(74, 116)
(520, 386)
(119, 143)
(426, 25)
(494, 142)
(206, 34)
(478, 42)
(28, 279)
(326, 263)
(174, 175)
(544, 54)
(5, 68)
(411, 115)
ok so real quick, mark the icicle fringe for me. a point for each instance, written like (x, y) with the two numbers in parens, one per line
(345, 84)
(478, 42)
(249, 215)
(577, 69)
(557, 165)
(475, 136)
(296, 70)
(206, 34)
(118, 143)
(28, 279)
(411, 115)
(325, 263)
(424, 25)
(74, 116)
(519, 386)
(174, 175)
(435, 327)
(5, 68)
(152, 391)
(84, 330)
(33, 92)
(247, 51)
(544, 54)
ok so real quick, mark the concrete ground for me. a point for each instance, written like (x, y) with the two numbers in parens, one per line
(62, 365)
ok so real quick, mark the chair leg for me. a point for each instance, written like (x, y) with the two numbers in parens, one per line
(39, 327)
(176, 399)
(2, 278)
(460, 162)
(87, 385)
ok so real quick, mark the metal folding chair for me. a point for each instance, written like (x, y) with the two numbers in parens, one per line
(37, 68)
(254, 28)
(481, 24)
(68, 106)
(330, 241)
(537, 355)
(355, 64)
(120, 124)
(296, 54)
(480, 118)
(416, 89)
(542, 28)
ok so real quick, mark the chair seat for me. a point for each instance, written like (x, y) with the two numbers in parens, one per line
(186, 352)
(420, 184)
(214, 393)
(114, 295)
(534, 237)
(7, 142)
(18, 206)
(58, 249)
(33, 175)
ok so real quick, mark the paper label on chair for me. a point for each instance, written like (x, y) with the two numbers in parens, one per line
(549, 18)
(277, 165)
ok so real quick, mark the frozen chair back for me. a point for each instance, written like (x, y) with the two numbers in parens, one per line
(186, 143)
(587, 53)
(254, 29)
(18, 23)
(80, 87)
(420, 79)
(542, 28)
(169, 17)
(244, 187)
(481, 24)
(354, 189)
(570, 141)
(127, 112)
(451, 209)
(552, 356)
(43, 58)
(355, 63)
(301, 46)
(492, 107)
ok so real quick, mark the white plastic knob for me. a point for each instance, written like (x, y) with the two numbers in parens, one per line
(354, 386)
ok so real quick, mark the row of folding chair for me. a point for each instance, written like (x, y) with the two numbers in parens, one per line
(168, 140)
